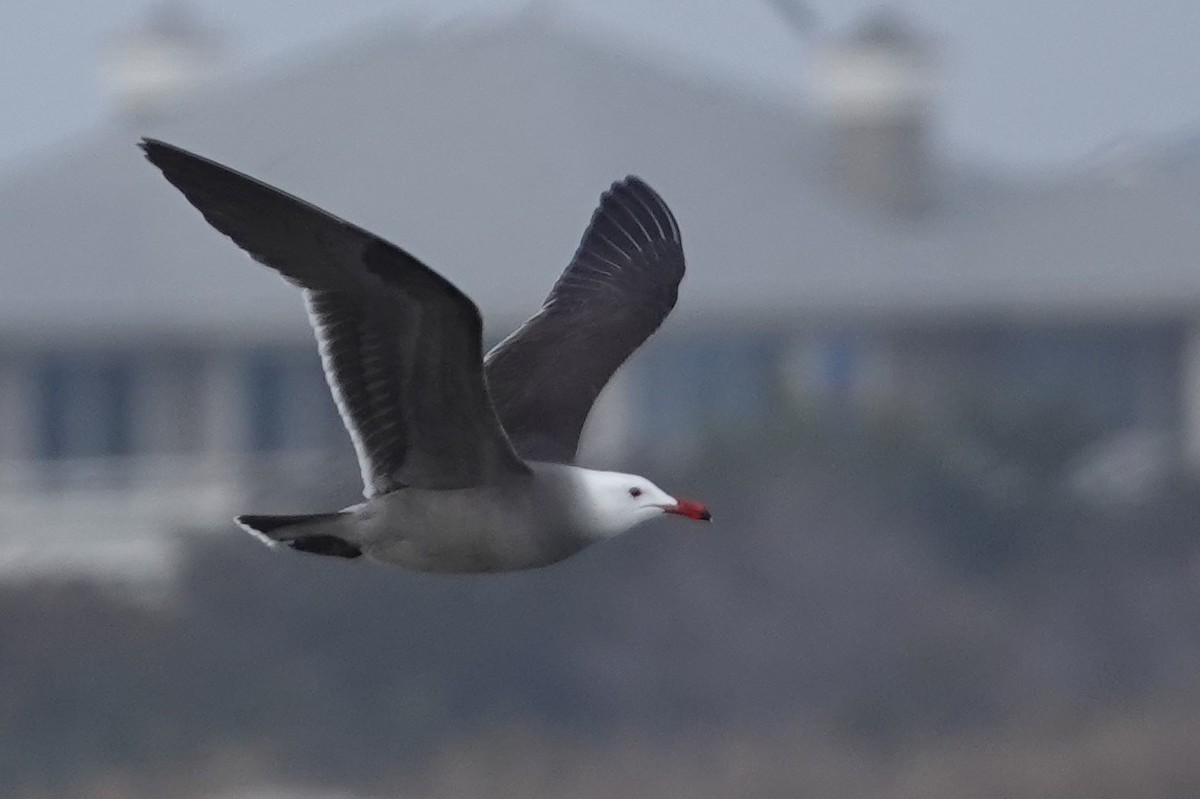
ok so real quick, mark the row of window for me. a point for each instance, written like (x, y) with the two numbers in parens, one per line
(116, 404)
(98, 405)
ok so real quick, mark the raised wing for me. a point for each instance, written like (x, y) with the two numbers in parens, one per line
(617, 290)
(400, 344)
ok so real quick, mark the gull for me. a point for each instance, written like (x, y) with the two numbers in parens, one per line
(467, 462)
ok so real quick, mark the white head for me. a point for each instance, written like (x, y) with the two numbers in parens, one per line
(612, 502)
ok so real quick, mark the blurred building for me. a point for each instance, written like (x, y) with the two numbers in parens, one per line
(151, 375)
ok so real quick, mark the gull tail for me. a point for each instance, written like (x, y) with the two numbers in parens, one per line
(318, 533)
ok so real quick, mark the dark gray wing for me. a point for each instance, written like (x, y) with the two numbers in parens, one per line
(400, 344)
(617, 290)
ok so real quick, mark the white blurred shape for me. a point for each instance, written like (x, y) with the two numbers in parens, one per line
(170, 55)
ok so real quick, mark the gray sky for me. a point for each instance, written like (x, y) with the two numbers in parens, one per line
(1030, 82)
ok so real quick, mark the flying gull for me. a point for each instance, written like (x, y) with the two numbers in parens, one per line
(467, 462)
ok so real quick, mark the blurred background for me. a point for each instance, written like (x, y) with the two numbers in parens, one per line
(935, 366)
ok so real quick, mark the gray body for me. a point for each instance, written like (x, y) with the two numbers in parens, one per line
(522, 523)
(466, 461)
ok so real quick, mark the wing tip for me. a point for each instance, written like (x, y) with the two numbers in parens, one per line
(176, 163)
(633, 184)
(173, 162)
(155, 149)
(633, 188)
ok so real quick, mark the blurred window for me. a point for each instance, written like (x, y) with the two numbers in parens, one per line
(1123, 376)
(84, 406)
(289, 405)
(705, 383)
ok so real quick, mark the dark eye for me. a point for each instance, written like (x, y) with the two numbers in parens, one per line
(635, 492)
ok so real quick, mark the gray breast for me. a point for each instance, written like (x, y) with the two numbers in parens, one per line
(518, 524)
